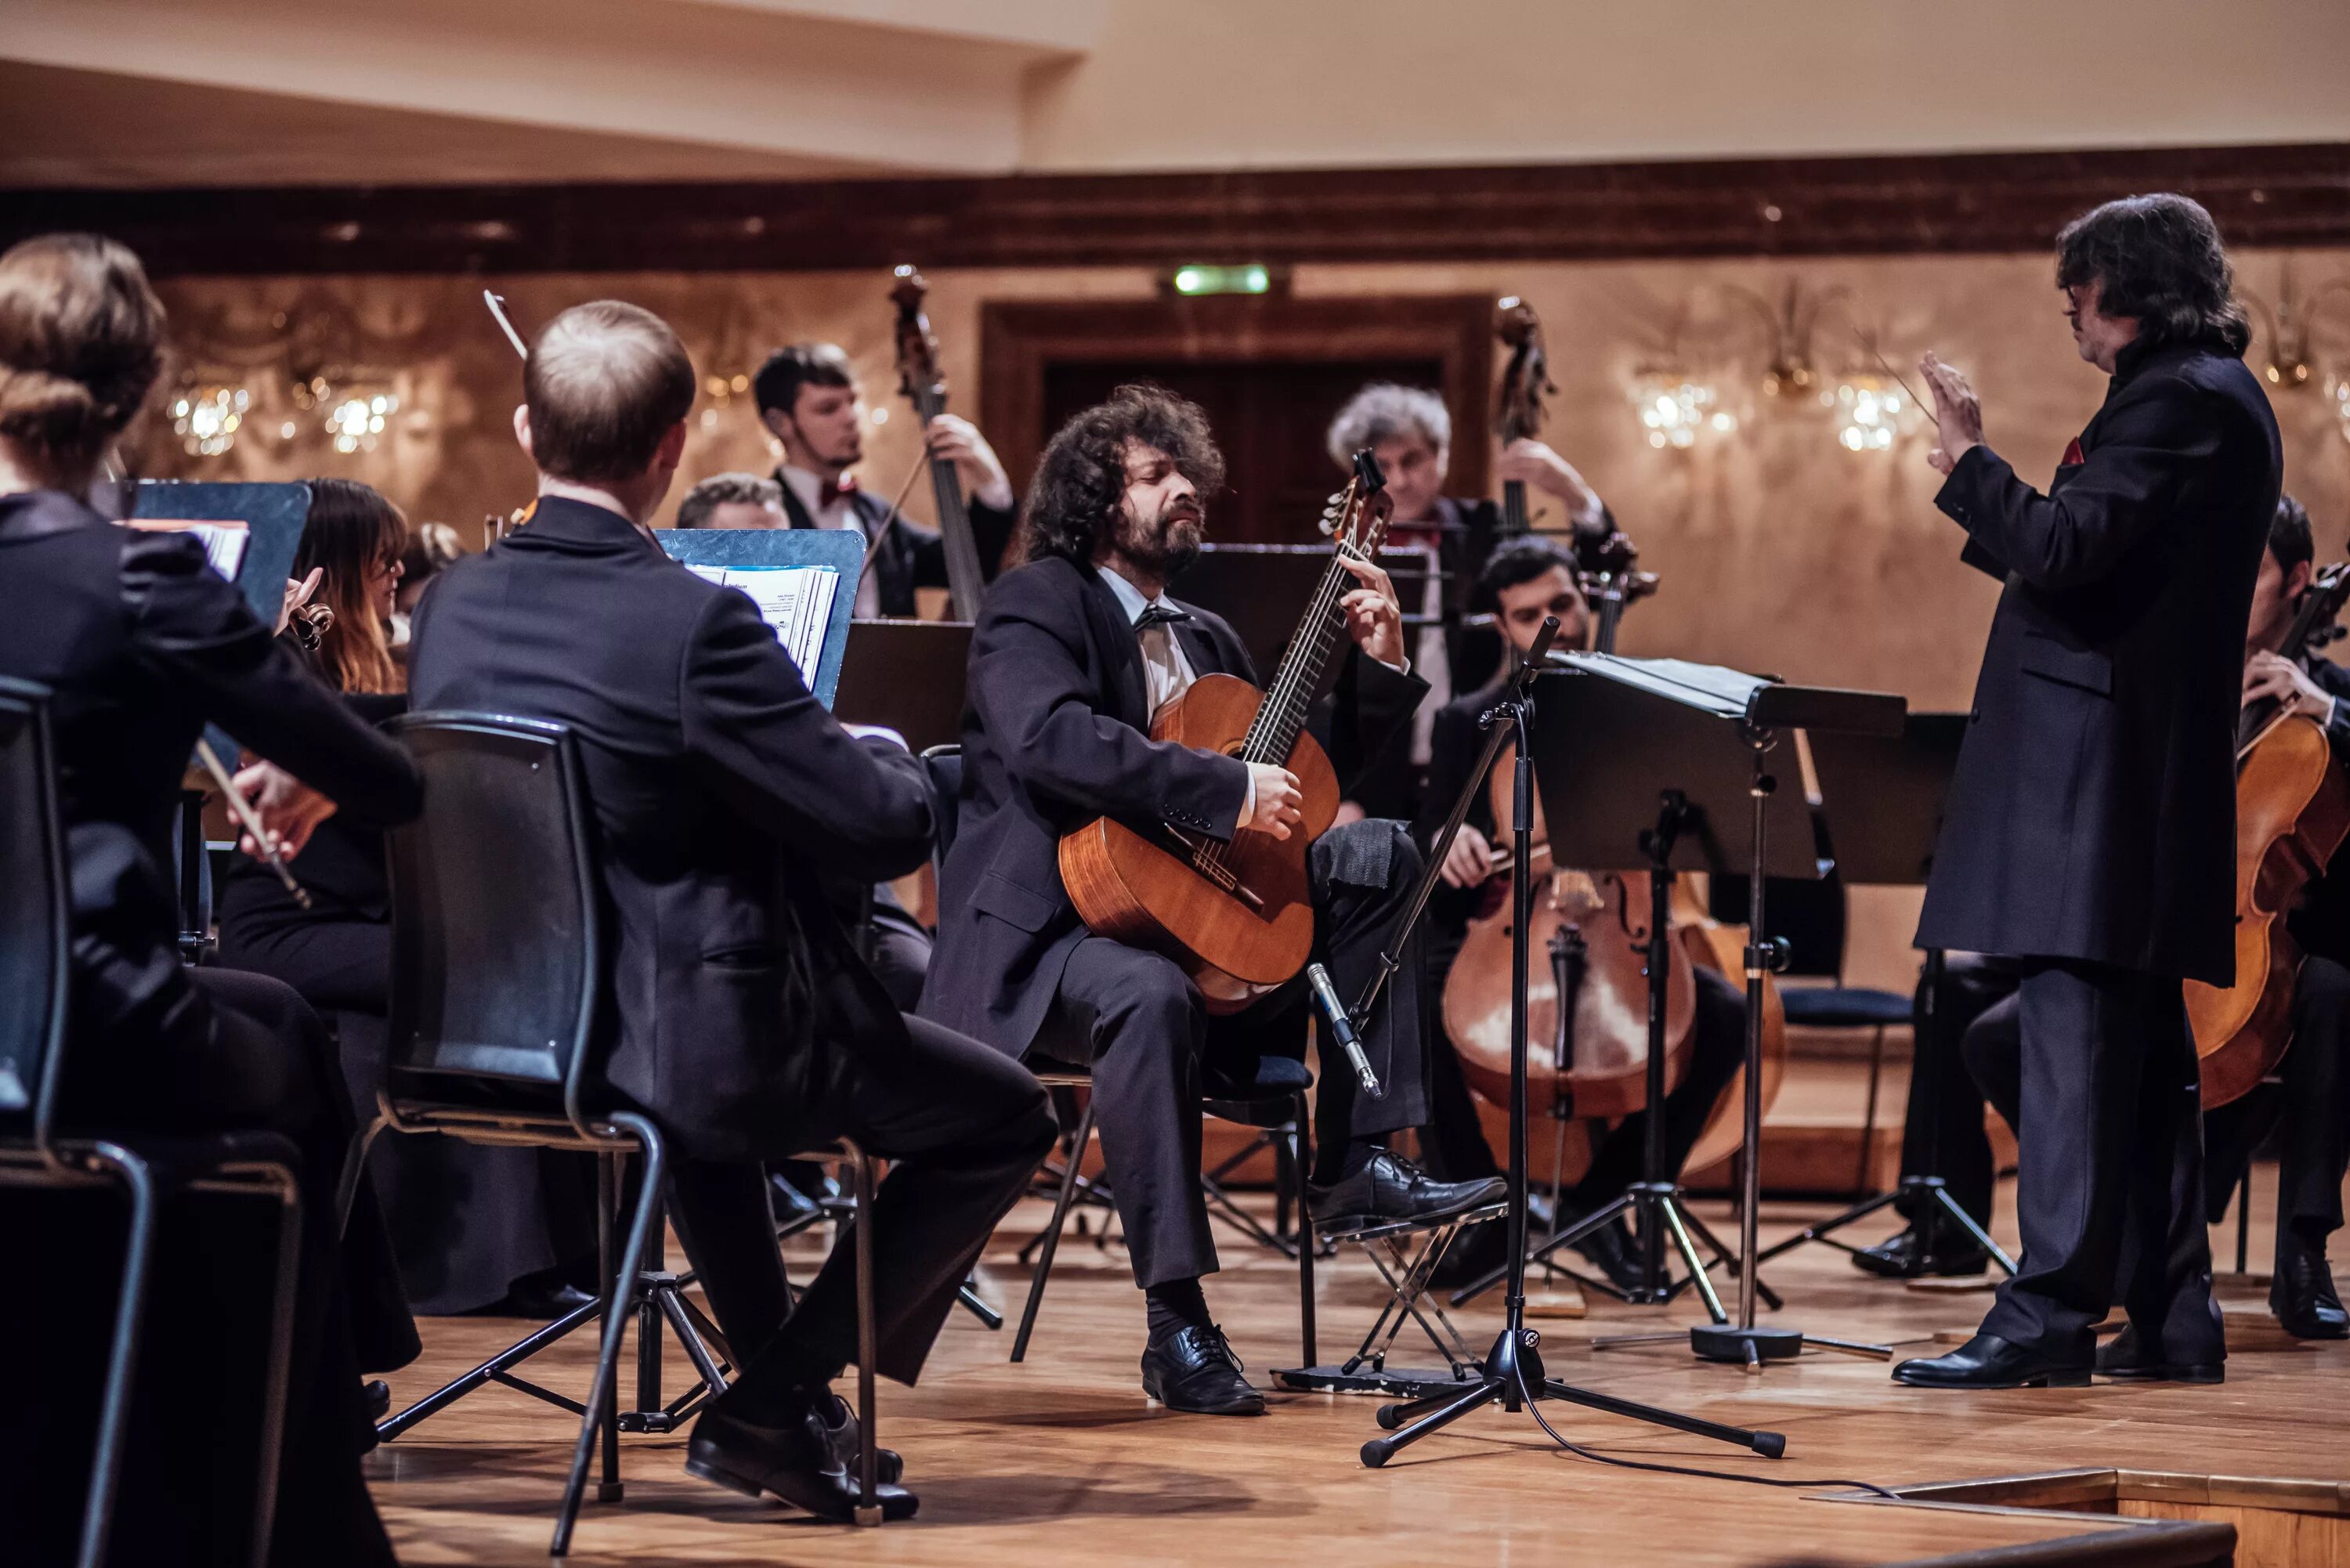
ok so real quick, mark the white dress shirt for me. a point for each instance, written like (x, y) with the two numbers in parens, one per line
(841, 513)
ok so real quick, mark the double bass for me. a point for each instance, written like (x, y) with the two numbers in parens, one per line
(2292, 812)
(1237, 915)
(925, 386)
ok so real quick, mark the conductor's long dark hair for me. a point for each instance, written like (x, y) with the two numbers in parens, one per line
(2156, 259)
(1082, 475)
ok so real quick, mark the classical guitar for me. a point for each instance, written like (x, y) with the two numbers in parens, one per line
(1237, 915)
(925, 386)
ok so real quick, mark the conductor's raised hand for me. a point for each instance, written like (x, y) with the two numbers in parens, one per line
(1278, 805)
(1958, 413)
(1374, 618)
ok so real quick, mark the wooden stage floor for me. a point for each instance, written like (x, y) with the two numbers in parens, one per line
(1060, 1461)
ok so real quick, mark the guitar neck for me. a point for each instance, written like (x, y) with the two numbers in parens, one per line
(966, 580)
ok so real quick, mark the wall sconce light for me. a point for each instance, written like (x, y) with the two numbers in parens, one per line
(2342, 404)
(207, 416)
(1868, 412)
(2287, 325)
(1677, 409)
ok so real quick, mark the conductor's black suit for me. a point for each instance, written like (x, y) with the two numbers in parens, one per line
(2090, 824)
(745, 1022)
(1055, 734)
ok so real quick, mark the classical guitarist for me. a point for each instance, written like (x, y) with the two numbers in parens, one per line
(1074, 653)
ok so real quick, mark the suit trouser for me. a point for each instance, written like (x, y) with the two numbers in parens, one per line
(1155, 1051)
(2096, 1068)
(964, 1126)
(2312, 1105)
(1942, 1131)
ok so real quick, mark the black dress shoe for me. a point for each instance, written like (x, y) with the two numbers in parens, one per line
(1474, 1253)
(1193, 1369)
(2302, 1295)
(375, 1399)
(2126, 1359)
(1389, 1187)
(1615, 1251)
(1987, 1361)
(540, 1299)
(800, 1461)
(1900, 1257)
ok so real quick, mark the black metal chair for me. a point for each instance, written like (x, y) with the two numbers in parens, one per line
(1276, 1102)
(497, 978)
(36, 1151)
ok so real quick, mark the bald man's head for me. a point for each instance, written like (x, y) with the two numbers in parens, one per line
(605, 382)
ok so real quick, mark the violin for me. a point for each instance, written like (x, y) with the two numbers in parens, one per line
(2292, 812)
(925, 386)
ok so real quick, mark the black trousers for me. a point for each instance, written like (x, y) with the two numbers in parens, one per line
(1942, 1131)
(964, 1127)
(241, 1051)
(2310, 1109)
(2096, 1070)
(466, 1219)
(1153, 1048)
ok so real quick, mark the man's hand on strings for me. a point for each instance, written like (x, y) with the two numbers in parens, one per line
(1374, 618)
(1277, 805)
(957, 441)
(1470, 862)
(2275, 678)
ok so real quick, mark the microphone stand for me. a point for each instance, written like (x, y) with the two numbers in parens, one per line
(1512, 1369)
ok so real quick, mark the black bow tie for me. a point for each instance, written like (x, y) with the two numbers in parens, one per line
(1160, 614)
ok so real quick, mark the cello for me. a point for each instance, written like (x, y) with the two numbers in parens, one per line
(2292, 812)
(925, 386)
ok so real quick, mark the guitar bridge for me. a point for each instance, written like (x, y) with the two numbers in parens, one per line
(1200, 857)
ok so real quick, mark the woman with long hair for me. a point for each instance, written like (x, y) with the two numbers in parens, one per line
(140, 645)
(509, 1231)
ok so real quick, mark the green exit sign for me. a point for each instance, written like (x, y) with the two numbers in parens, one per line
(1254, 278)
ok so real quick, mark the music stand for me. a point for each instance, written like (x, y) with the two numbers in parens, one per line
(907, 676)
(841, 549)
(1883, 798)
(1660, 765)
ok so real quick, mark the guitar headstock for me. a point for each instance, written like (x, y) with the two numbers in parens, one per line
(1526, 379)
(919, 376)
(1357, 515)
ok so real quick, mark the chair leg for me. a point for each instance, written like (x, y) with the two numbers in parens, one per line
(868, 1465)
(279, 1387)
(1044, 1270)
(354, 1171)
(603, 1388)
(122, 1356)
(1869, 1119)
(1308, 1238)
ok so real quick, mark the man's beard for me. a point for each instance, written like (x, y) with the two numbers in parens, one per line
(1168, 543)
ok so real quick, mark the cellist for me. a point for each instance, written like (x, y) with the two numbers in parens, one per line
(1527, 579)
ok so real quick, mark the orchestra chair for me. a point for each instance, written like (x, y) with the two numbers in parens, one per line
(1275, 1102)
(497, 978)
(36, 1152)
(1813, 919)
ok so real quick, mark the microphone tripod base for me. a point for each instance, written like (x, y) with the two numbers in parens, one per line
(1749, 1346)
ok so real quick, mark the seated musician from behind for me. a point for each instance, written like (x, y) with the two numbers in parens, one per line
(810, 401)
(476, 1228)
(745, 1022)
(1529, 579)
(1075, 653)
(1409, 432)
(2312, 1104)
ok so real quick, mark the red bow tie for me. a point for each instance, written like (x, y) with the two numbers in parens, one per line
(831, 489)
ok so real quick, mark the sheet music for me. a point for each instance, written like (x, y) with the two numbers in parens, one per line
(1710, 687)
(223, 542)
(794, 600)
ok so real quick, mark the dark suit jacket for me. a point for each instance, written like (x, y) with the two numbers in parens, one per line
(143, 644)
(722, 792)
(906, 555)
(2092, 815)
(1055, 734)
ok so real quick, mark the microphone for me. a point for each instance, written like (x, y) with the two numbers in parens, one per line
(1342, 1028)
